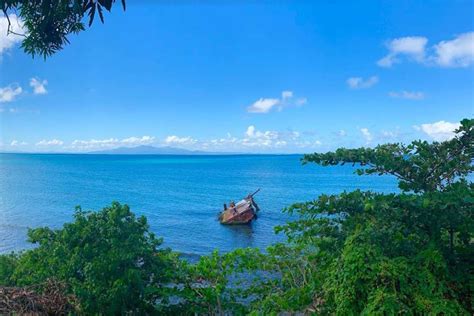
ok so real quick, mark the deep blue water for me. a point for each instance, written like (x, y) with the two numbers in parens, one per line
(180, 195)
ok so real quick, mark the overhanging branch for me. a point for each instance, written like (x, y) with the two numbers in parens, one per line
(9, 27)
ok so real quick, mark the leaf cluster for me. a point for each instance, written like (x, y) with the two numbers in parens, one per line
(48, 23)
(419, 166)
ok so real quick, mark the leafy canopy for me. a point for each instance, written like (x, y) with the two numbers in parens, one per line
(109, 260)
(371, 253)
(48, 23)
(420, 166)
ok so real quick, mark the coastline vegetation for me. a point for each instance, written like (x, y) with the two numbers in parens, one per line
(351, 253)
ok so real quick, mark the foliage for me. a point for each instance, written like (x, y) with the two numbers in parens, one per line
(8, 263)
(420, 166)
(48, 23)
(370, 253)
(109, 259)
(357, 252)
(216, 284)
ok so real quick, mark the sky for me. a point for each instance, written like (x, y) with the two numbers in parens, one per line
(244, 76)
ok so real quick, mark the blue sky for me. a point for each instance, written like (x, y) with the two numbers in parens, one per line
(247, 76)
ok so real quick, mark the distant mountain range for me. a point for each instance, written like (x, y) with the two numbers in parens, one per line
(151, 150)
(146, 150)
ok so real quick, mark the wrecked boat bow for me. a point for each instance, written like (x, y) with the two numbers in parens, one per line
(241, 213)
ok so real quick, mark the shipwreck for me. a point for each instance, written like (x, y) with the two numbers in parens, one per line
(241, 213)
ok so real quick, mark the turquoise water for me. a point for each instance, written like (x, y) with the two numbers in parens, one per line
(180, 195)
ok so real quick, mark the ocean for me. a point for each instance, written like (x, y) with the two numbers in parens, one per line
(180, 195)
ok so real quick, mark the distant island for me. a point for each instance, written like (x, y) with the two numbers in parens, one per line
(145, 150)
(152, 150)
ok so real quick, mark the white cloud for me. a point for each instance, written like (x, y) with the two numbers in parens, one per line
(367, 135)
(108, 143)
(269, 139)
(229, 140)
(301, 101)
(307, 144)
(8, 41)
(5, 110)
(255, 140)
(439, 131)
(263, 105)
(458, 52)
(250, 131)
(144, 140)
(251, 140)
(39, 86)
(390, 135)
(412, 47)
(361, 83)
(409, 95)
(95, 143)
(175, 140)
(262, 139)
(52, 142)
(281, 143)
(286, 94)
(9, 93)
(16, 143)
(17, 110)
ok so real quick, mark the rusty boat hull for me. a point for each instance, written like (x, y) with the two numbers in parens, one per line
(242, 213)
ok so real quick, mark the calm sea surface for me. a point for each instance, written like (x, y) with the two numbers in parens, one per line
(180, 195)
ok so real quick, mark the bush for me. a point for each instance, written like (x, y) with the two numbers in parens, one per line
(8, 263)
(109, 260)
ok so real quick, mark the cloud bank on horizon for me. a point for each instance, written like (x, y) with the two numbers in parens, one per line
(252, 140)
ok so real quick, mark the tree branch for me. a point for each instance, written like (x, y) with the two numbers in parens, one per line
(9, 30)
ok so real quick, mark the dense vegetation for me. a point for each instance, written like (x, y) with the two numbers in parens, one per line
(351, 253)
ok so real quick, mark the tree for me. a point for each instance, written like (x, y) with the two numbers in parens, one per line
(109, 260)
(420, 166)
(48, 23)
(370, 253)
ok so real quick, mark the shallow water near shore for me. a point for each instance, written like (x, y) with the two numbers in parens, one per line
(180, 195)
